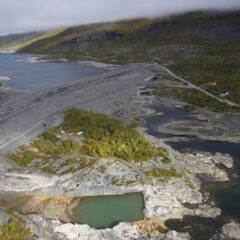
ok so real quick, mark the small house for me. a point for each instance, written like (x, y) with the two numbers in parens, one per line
(212, 83)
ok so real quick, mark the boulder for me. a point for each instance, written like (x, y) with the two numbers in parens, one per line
(231, 230)
(173, 235)
(225, 160)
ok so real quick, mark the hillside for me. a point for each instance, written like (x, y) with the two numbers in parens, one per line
(10, 42)
(14, 42)
(142, 39)
(201, 45)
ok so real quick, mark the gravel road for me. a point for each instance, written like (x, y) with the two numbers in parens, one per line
(24, 119)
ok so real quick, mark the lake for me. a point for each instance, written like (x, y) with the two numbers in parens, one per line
(28, 77)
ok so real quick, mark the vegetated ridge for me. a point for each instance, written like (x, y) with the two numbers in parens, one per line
(201, 45)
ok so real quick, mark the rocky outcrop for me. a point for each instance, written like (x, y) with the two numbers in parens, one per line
(173, 235)
(231, 231)
(4, 78)
(26, 182)
(204, 210)
(98, 35)
(5, 91)
(58, 208)
(121, 232)
(197, 163)
(47, 230)
(164, 198)
(74, 232)
(225, 160)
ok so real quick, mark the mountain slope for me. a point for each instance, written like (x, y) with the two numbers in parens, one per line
(14, 42)
(202, 45)
(133, 39)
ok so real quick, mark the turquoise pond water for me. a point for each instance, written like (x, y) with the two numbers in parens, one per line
(107, 211)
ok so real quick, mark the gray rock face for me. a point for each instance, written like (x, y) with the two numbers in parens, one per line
(48, 230)
(220, 159)
(173, 235)
(204, 211)
(163, 199)
(231, 231)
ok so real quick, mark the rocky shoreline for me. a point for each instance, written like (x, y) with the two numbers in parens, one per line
(163, 199)
(5, 91)
(51, 198)
(89, 63)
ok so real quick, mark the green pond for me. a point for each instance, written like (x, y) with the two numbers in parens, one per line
(107, 211)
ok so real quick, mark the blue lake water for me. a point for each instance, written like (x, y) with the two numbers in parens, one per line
(28, 77)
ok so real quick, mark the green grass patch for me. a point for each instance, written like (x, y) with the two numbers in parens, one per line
(225, 73)
(108, 137)
(202, 100)
(165, 156)
(15, 230)
(195, 98)
(103, 136)
(76, 165)
(23, 157)
(164, 173)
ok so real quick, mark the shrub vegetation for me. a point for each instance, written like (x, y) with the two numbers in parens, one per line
(108, 137)
(102, 137)
(14, 230)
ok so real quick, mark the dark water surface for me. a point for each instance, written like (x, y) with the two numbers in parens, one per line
(225, 195)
